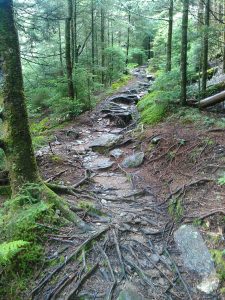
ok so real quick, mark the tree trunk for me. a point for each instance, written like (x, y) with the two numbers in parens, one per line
(76, 51)
(60, 49)
(69, 67)
(212, 100)
(205, 47)
(170, 38)
(17, 141)
(183, 63)
(128, 39)
(92, 36)
(103, 43)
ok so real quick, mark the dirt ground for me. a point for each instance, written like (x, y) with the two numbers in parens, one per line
(134, 211)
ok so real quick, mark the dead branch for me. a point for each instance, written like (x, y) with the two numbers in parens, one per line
(86, 177)
(216, 130)
(81, 282)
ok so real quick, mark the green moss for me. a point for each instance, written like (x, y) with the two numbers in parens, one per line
(176, 209)
(219, 259)
(121, 82)
(152, 110)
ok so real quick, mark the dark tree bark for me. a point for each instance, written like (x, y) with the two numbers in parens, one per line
(170, 38)
(69, 67)
(205, 47)
(17, 141)
(60, 49)
(76, 49)
(183, 63)
(92, 35)
(128, 38)
(103, 43)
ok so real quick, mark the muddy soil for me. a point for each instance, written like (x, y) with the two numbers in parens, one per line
(131, 245)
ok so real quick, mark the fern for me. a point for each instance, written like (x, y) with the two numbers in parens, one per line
(9, 250)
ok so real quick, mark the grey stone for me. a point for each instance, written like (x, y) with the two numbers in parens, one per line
(129, 294)
(194, 252)
(98, 163)
(105, 141)
(116, 153)
(133, 161)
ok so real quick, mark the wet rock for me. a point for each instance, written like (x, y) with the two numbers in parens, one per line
(105, 141)
(154, 258)
(133, 161)
(196, 256)
(156, 140)
(72, 133)
(150, 77)
(98, 163)
(129, 294)
(116, 153)
(125, 98)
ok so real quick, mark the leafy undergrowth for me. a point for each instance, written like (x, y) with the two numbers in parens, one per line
(22, 239)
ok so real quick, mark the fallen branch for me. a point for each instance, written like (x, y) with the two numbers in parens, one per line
(74, 255)
(216, 130)
(81, 282)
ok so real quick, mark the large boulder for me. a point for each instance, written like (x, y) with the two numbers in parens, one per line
(105, 142)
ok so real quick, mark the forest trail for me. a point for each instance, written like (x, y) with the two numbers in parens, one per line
(131, 247)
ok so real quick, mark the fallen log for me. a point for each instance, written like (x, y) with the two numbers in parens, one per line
(212, 100)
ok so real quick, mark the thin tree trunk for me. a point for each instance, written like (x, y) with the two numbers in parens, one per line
(184, 42)
(60, 49)
(76, 54)
(103, 43)
(205, 47)
(92, 36)
(17, 141)
(224, 40)
(128, 39)
(69, 67)
(170, 38)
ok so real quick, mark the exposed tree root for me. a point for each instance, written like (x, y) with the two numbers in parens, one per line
(81, 282)
(74, 255)
(206, 215)
(183, 188)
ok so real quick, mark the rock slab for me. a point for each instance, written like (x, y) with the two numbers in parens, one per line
(196, 256)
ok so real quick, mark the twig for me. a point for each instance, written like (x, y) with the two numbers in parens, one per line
(119, 254)
(81, 282)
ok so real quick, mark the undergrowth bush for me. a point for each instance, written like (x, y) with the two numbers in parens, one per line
(21, 234)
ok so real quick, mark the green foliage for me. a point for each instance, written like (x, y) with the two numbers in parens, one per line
(221, 180)
(2, 160)
(116, 63)
(219, 259)
(176, 209)
(9, 250)
(121, 82)
(152, 109)
(137, 56)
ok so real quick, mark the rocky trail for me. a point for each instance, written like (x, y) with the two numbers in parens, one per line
(136, 248)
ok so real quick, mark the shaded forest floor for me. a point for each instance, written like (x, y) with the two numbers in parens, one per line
(134, 211)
